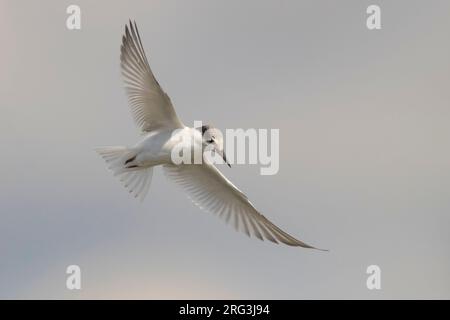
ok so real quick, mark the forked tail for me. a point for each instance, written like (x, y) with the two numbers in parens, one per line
(120, 161)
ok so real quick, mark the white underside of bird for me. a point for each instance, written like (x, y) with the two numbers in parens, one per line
(205, 185)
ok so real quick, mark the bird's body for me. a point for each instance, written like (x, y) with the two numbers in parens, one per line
(155, 148)
(163, 131)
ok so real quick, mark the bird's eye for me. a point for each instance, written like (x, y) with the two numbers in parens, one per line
(210, 140)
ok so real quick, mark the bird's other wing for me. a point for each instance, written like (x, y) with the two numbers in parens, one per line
(209, 189)
(150, 105)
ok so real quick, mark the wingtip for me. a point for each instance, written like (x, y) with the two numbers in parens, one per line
(307, 246)
(131, 25)
(319, 249)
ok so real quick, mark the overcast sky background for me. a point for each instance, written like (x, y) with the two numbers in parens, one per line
(364, 149)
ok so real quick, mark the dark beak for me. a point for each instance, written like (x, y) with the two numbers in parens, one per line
(224, 157)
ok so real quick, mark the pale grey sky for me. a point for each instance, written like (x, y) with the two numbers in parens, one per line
(364, 155)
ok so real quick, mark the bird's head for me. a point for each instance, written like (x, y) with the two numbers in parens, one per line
(212, 139)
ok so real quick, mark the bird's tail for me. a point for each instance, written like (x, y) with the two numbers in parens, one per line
(120, 161)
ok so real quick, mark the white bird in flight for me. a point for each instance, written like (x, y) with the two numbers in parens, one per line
(154, 113)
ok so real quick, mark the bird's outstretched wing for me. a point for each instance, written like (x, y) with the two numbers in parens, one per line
(150, 105)
(209, 189)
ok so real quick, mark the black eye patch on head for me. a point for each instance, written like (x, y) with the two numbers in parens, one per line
(205, 128)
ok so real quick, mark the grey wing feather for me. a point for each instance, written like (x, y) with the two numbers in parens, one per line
(150, 105)
(213, 192)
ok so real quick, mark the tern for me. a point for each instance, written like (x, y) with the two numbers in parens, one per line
(204, 184)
